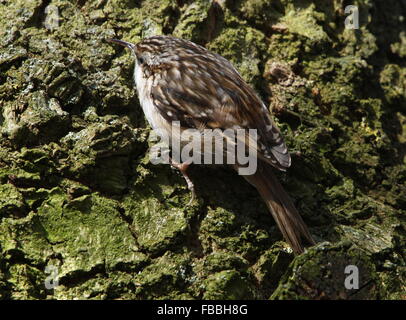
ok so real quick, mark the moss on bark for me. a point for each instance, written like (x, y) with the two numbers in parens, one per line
(77, 191)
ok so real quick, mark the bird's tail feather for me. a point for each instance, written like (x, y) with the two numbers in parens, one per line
(281, 207)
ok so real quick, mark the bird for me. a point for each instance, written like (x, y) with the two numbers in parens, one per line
(179, 80)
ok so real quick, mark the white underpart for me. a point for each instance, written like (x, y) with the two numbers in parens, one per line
(144, 86)
(151, 112)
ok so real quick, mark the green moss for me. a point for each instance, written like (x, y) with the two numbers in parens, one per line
(11, 202)
(196, 22)
(270, 267)
(392, 79)
(219, 261)
(24, 239)
(243, 46)
(41, 120)
(78, 192)
(320, 274)
(221, 229)
(81, 247)
(262, 14)
(227, 284)
(24, 279)
(399, 48)
(158, 220)
(166, 278)
(304, 22)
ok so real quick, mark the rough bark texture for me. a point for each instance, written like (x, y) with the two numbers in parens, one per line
(77, 191)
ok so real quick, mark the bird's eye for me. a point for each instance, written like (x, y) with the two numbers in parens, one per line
(140, 60)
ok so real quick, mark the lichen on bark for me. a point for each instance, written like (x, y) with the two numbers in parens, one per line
(78, 193)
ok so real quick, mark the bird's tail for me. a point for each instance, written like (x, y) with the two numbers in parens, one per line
(281, 207)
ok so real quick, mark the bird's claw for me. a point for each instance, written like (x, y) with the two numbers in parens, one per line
(191, 187)
(182, 167)
(192, 198)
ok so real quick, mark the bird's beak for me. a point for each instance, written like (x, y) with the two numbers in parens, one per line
(122, 43)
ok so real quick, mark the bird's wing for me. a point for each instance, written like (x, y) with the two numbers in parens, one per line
(205, 91)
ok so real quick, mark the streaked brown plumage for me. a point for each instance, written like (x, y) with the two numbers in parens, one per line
(178, 80)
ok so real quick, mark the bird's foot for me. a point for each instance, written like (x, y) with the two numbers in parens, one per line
(182, 167)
